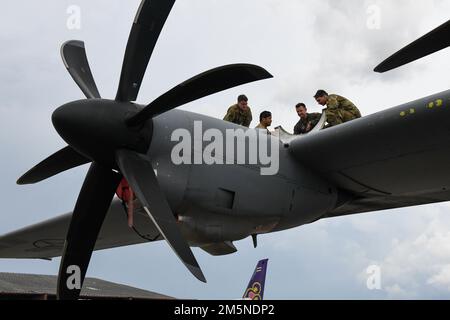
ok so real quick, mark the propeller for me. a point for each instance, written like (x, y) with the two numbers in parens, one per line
(90, 210)
(74, 57)
(140, 175)
(58, 162)
(432, 42)
(115, 136)
(145, 31)
(73, 54)
(202, 85)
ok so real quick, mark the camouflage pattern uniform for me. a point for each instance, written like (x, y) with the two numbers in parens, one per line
(302, 125)
(237, 116)
(340, 110)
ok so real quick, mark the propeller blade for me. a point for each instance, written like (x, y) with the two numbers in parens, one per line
(75, 60)
(90, 210)
(202, 85)
(58, 162)
(432, 42)
(140, 175)
(147, 26)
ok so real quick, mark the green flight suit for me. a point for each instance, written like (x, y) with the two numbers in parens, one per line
(237, 116)
(340, 110)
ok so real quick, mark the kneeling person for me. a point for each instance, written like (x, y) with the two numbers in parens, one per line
(339, 109)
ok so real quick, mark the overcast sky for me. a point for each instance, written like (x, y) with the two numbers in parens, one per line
(306, 45)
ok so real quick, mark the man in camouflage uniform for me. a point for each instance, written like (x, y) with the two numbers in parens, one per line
(307, 120)
(265, 121)
(339, 109)
(240, 113)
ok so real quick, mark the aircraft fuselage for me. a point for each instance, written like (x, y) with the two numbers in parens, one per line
(225, 202)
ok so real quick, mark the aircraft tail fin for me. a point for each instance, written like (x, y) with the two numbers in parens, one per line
(432, 42)
(255, 288)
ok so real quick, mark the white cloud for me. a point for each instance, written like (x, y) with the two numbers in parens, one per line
(396, 292)
(419, 264)
(442, 279)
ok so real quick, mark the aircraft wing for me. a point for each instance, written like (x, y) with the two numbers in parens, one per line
(395, 158)
(45, 240)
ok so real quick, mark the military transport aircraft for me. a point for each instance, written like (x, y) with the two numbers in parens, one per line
(382, 161)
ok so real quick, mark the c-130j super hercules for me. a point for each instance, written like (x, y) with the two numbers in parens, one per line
(383, 162)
